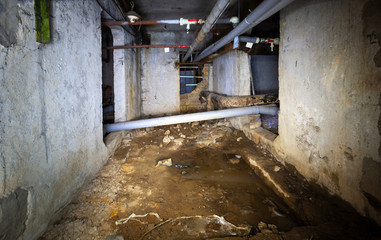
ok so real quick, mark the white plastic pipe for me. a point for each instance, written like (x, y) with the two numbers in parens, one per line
(192, 117)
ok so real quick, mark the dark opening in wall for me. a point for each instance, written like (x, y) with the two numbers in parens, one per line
(107, 77)
(264, 66)
(190, 76)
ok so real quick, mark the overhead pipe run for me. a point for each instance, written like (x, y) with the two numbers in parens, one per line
(147, 46)
(192, 117)
(181, 21)
(264, 10)
(214, 15)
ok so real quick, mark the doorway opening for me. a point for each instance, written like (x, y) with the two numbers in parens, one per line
(189, 76)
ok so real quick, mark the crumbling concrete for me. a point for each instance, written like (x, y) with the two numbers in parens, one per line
(51, 116)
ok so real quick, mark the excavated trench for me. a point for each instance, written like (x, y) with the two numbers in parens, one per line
(193, 181)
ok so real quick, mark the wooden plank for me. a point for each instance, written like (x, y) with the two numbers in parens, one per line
(41, 12)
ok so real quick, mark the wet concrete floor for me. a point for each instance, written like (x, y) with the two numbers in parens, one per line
(182, 182)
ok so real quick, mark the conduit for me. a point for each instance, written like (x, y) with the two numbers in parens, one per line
(260, 13)
(214, 15)
(192, 117)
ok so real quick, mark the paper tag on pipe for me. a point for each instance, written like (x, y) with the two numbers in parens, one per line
(249, 44)
(166, 49)
(236, 42)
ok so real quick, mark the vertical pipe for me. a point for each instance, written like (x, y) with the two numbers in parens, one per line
(214, 15)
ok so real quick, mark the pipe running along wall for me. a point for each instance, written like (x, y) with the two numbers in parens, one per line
(192, 117)
(264, 10)
(214, 15)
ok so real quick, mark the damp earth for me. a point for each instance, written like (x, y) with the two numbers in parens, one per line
(190, 181)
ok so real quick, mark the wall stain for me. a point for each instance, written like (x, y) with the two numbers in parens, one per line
(348, 154)
(371, 25)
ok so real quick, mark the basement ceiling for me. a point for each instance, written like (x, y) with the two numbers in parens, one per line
(173, 9)
(176, 9)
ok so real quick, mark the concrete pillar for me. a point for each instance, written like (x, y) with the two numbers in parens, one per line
(120, 98)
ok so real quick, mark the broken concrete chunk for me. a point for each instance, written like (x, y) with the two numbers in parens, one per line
(234, 160)
(195, 124)
(165, 162)
(182, 136)
(171, 137)
(179, 141)
(167, 132)
(239, 139)
(166, 140)
(276, 169)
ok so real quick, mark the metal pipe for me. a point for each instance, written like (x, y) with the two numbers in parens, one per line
(148, 22)
(214, 15)
(248, 39)
(147, 46)
(192, 117)
(156, 22)
(260, 13)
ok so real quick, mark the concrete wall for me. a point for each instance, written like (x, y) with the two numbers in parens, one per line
(330, 81)
(126, 77)
(231, 77)
(232, 73)
(50, 116)
(160, 86)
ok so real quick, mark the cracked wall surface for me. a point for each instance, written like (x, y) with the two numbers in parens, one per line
(330, 98)
(50, 111)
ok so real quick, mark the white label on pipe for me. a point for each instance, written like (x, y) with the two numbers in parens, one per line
(236, 43)
(249, 44)
(166, 49)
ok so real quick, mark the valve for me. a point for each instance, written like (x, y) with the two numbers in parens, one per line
(188, 22)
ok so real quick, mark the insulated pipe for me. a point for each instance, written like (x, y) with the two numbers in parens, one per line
(214, 15)
(192, 117)
(260, 13)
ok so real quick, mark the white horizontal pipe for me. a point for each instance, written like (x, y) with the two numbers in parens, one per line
(174, 21)
(192, 117)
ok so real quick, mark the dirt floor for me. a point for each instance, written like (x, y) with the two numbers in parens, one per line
(190, 182)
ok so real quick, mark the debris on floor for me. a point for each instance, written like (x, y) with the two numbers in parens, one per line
(201, 188)
(166, 162)
(184, 227)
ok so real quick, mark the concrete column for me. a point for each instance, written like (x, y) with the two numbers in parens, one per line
(120, 97)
